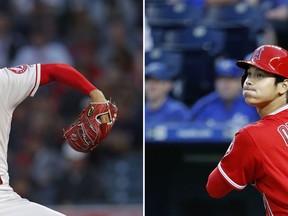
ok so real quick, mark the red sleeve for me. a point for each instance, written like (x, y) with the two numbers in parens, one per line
(242, 164)
(67, 75)
(217, 186)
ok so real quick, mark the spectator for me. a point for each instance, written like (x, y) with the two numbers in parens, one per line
(160, 106)
(10, 40)
(43, 46)
(276, 15)
(226, 104)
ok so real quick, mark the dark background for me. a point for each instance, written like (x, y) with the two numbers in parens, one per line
(175, 182)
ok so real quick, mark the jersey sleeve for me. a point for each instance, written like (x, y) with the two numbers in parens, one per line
(217, 186)
(17, 83)
(242, 163)
(67, 75)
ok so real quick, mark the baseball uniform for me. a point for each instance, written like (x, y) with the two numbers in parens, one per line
(16, 84)
(257, 155)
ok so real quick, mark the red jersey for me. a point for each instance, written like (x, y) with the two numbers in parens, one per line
(259, 155)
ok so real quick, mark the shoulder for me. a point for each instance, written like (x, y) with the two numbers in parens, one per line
(257, 127)
(245, 143)
(204, 104)
(175, 104)
(210, 98)
(17, 70)
(251, 134)
(250, 129)
(206, 101)
(244, 134)
(20, 69)
(247, 134)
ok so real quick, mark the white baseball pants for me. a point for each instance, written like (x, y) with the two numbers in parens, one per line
(11, 204)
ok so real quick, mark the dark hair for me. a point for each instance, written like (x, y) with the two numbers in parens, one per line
(279, 79)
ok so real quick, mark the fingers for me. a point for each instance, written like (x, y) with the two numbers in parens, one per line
(104, 118)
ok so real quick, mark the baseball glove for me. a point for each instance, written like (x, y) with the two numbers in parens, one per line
(87, 131)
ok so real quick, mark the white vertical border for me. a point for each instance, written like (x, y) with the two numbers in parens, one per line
(143, 102)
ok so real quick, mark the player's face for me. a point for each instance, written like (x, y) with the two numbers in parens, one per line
(228, 88)
(259, 88)
(156, 89)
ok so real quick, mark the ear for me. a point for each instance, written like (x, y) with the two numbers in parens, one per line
(284, 87)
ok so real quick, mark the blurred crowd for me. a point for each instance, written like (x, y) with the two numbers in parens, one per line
(191, 50)
(103, 40)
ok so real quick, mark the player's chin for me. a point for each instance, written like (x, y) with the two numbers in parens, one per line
(251, 101)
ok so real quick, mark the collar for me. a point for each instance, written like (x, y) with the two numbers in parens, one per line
(279, 110)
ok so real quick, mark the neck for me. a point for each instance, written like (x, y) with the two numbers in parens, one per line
(271, 107)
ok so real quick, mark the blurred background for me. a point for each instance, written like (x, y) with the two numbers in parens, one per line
(103, 40)
(193, 101)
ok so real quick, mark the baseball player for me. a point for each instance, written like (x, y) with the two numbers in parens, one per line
(258, 153)
(16, 84)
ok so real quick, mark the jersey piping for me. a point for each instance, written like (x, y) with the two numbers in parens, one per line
(279, 110)
(37, 81)
(267, 206)
(234, 184)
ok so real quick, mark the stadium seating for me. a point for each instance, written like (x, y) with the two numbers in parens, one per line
(172, 59)
(242, 24)
(173, 15)
(170, 16)
(198, 46)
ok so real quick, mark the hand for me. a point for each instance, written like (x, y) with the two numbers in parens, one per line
(87, 132)
(97, 96)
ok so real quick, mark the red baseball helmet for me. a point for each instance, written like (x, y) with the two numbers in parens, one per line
(270, 58)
